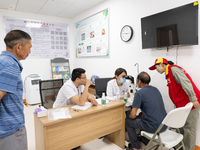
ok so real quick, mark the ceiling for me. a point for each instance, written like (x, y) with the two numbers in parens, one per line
(59, 8)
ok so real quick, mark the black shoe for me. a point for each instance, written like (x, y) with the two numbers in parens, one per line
(101, 137)
(130, 147)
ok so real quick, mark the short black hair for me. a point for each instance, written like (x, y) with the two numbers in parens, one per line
(76, 73)
(144, 77)
(16, 36)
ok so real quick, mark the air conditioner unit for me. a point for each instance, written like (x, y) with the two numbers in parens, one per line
(32, 89)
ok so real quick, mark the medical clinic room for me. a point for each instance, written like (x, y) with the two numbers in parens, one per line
(99, 75)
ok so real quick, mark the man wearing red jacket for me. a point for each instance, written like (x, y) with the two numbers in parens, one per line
(182, 90)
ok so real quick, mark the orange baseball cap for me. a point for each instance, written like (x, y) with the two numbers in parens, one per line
(157, 61)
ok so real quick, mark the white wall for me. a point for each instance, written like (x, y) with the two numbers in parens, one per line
(122, 12)
(40, 66)
(129, 12)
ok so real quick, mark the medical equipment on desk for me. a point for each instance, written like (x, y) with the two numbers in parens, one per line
(131, 88)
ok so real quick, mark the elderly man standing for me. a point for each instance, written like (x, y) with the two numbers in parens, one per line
(12, 130)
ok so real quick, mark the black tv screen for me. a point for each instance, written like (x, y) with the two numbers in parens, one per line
(174, 27)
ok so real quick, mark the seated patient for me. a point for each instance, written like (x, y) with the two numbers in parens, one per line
(118, 84)
(74, 91)
(150, 101)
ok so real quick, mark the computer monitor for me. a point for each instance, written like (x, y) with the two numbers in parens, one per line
(49, 91)
(101, 85)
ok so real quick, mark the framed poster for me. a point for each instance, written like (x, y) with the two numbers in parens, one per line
(92, 35)
(48, 39)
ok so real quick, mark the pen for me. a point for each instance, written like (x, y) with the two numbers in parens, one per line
(74, 110)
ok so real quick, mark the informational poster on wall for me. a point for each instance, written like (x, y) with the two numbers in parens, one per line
(91, 35)
(48, 39)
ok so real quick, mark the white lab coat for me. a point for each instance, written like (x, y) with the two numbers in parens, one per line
(112, 88)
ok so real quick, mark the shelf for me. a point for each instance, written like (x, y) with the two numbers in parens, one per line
(60, 68)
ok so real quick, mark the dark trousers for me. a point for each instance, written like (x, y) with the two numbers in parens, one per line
(131, 125)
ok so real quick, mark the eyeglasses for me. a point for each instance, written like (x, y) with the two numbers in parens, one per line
(83, 78)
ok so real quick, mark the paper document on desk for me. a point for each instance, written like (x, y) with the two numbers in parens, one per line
(99, 101)
(111, 98)
(86, 106)
(58, 113)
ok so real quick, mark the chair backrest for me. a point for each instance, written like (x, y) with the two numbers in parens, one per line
(101, 85)
(49, 91)
(176, 118)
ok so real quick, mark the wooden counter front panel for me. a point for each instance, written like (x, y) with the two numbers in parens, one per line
(39, 134)
(78, 131)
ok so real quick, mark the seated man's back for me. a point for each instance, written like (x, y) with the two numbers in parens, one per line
(150, 101)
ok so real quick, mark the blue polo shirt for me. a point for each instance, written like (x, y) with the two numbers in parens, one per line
(150, 101)
(11, 105)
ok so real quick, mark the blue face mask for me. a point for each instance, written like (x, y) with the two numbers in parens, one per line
(122, 80)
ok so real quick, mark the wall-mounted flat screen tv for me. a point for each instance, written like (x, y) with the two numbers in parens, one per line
(174, 27)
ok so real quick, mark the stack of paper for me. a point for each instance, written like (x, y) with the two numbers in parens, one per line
(86, 106)
(111, 98)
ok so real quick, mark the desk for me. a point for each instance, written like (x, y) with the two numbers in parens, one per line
(83, 127)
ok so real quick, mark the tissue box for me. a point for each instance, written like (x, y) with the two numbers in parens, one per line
(40, 112)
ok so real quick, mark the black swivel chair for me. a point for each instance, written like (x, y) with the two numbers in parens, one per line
(100, 86)
(48, 91)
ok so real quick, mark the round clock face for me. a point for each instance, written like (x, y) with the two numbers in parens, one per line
(126, 33)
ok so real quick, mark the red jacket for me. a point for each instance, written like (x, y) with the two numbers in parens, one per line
(178, 96)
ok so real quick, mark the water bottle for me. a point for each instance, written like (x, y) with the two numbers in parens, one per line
(118, 96)
(103, 99)
(126, 97)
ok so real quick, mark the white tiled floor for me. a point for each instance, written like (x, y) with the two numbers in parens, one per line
(98, 144)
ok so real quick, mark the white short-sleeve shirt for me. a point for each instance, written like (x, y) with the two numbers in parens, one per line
(67, 91)
(112, 88)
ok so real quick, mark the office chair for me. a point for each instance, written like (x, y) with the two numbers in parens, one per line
(100, 86)
(49, 91)
(175, 119)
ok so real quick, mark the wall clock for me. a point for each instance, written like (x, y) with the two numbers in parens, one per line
(126, 33)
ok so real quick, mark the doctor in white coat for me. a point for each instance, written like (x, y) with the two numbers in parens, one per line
(118, 84)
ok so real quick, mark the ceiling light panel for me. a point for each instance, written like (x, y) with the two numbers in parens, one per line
(53, 8)
(71, 12)
(9, 1)
(32, 6)
(65, 1)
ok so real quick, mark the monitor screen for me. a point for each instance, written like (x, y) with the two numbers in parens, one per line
(174, 27)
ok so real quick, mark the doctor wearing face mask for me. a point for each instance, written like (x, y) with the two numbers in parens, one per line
(118, 84)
